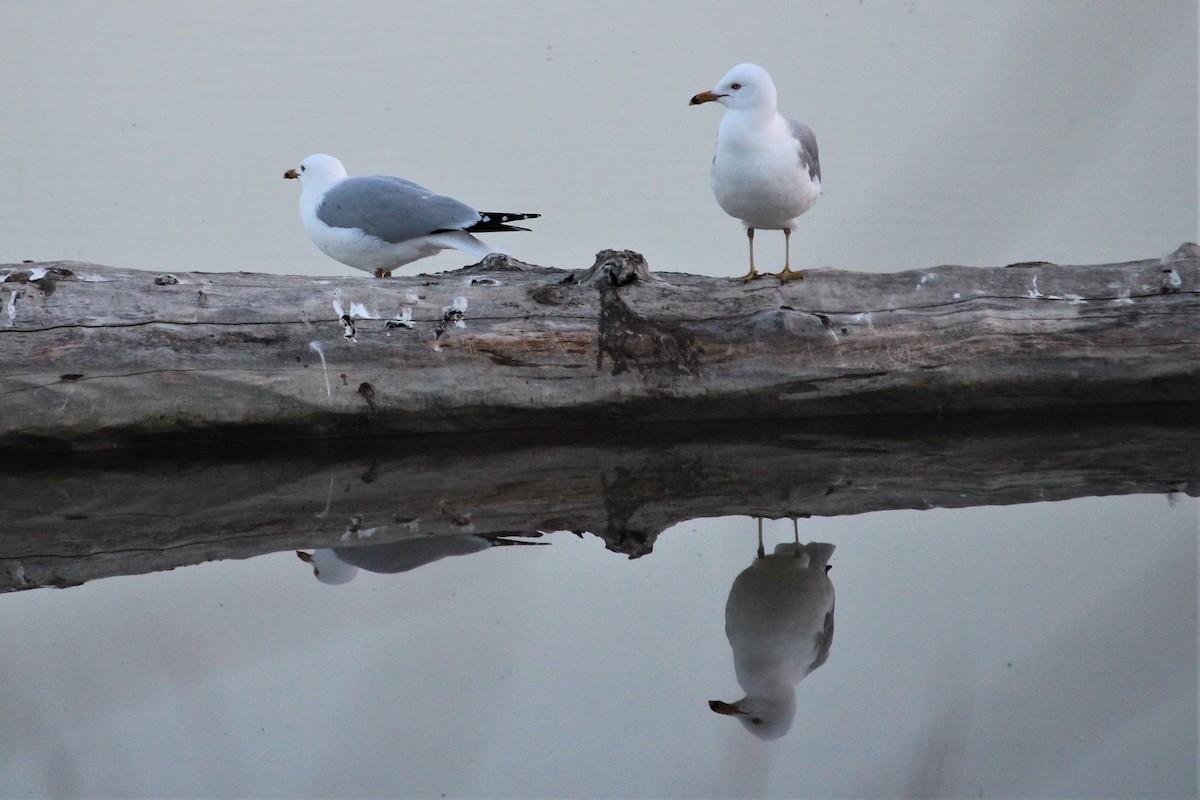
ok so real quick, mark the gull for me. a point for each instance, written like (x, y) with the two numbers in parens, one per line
(337, 565)
(766, 171)
(379, 223)
(779, 622)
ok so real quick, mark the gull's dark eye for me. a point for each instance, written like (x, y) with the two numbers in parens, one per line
(302, 168)
(736, 86)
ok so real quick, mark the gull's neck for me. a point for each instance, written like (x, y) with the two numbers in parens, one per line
(316, 186)
(752, 118)
(742, 128)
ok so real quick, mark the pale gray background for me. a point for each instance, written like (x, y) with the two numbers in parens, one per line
(155, 136)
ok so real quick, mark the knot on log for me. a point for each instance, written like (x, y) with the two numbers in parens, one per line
(618, 268)
(1186, 250)
(631, 543)
(499, 262)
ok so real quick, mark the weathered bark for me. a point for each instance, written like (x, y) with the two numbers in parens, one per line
(93, 356)
(65, 520)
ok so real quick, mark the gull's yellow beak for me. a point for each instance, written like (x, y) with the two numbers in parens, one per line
(705, 97)
(720, 706)
(291, 173)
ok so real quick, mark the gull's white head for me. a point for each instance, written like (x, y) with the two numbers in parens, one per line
(327, 566)
(745, 87)
(318, 172)
(767, 716)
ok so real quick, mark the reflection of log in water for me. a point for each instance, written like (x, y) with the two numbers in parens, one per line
(69, 520)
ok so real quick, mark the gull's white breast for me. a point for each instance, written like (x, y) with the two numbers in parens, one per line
(757, 174)
(354, 248)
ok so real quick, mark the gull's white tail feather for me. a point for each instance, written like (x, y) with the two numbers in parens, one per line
(460, 240)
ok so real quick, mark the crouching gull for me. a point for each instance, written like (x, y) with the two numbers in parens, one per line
(766, 171)
(379, 223)
(340, 564)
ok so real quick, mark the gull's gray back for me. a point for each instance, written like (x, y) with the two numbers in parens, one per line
(809, 157)
(392, 209)
(406, 554)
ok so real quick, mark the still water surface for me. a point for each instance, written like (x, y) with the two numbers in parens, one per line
(1038, 650)
(1046, 649)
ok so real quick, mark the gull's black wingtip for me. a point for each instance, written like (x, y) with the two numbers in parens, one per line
(491, 221)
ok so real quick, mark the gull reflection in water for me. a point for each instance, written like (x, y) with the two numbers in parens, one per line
(340, 564)
(779, 621)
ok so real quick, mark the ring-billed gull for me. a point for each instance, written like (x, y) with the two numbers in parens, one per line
(379, 223)
(766, 171)
(340, 564)
(779, 621)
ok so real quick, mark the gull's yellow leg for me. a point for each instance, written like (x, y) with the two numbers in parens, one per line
(752, 274)
(787, 274)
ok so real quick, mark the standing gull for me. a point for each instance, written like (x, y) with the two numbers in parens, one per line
(379, 223)
(766, 171)
(779, 621)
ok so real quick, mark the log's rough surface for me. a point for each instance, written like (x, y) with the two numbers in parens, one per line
(94, 356)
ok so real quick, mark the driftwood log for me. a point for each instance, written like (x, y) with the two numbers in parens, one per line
(66, 519)
(94, 357)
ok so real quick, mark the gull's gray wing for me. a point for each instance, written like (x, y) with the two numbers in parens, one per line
(810, 159)
(824, 643)
(392, 209)
(406, 554)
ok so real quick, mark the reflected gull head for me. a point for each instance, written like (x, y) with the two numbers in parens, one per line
(379, 223)
(779, 621)
(327, 567)
(766, 170)
(340, 564)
